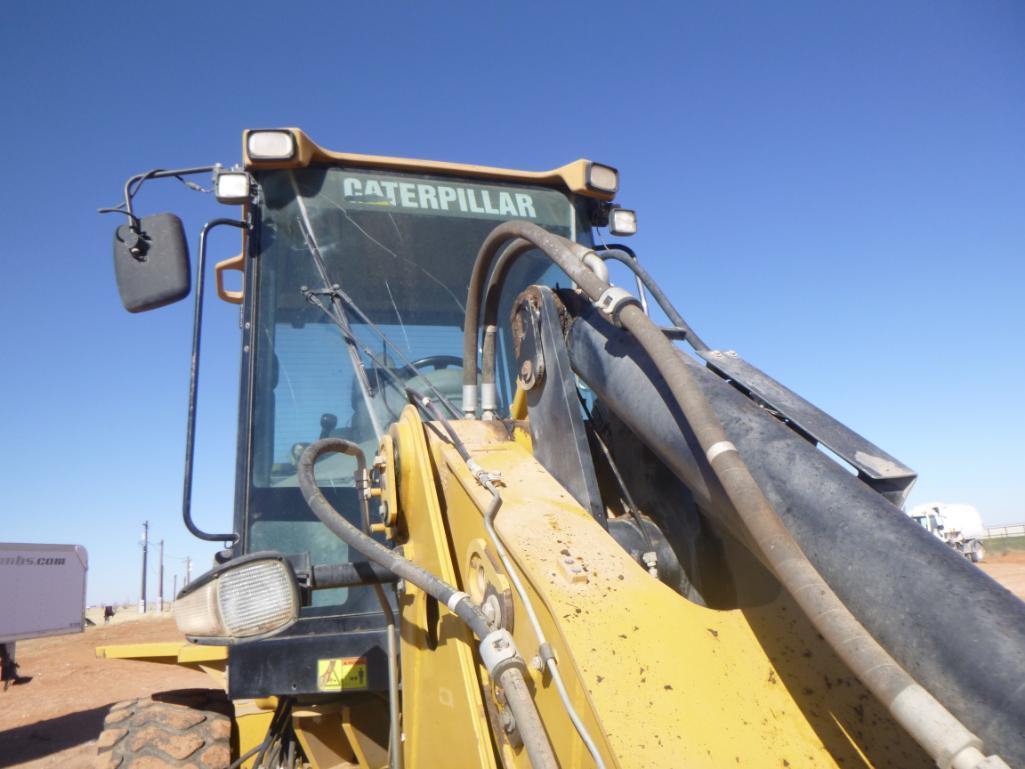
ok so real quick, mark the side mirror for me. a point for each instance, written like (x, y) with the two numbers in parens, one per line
(152, 266)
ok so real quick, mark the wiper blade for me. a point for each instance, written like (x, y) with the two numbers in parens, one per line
(336, 292)
(340, 317)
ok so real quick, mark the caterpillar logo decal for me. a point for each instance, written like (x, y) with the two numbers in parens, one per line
(439, 197)
(342, 674)
(354, 191)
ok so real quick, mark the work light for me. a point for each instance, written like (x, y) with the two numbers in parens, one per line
(249, 597)
(232, 187)
(270, 145)
(602, 178)
(622, 221)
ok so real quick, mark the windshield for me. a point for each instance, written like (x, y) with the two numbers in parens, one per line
(362, 287)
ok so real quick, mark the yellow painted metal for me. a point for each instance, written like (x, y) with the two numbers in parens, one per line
(323, 741)
(571, 177)
(169, 652)
(518, 407)
(252, 719)
(659, 681)
(212, 660)
(443, 716)
(365, 729)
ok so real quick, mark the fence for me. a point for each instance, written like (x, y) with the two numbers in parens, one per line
(1007, 530)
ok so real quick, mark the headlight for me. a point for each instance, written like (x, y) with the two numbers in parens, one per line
(270, 145)
(232, 187)
(603, 178)
(622, 221)
(250, 597)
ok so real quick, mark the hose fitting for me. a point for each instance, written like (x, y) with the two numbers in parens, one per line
(612, 301)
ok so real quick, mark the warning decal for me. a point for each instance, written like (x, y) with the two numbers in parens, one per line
(342, 674)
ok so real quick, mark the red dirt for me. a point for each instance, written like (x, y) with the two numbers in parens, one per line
(1008, 570)
(53, 720)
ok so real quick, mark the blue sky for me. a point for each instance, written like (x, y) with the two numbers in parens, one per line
(834, 190)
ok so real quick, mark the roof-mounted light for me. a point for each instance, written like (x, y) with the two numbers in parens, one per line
(232, 187)
(622, 222)
(270, 145)
(603, 178)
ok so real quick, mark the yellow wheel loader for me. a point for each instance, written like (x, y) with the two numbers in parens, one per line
(489, 513)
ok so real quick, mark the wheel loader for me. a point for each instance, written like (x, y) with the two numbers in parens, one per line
(494, 510)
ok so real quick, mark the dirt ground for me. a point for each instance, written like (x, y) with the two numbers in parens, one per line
(53, 720)
(1009, 570)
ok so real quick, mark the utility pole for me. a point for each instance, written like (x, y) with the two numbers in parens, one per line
(160, 590)
(174, 592)
(188, 570)
(145, 552)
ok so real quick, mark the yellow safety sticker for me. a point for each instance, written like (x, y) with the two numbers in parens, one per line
(341, 674)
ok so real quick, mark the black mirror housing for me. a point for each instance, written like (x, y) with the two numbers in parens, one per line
(152, 267)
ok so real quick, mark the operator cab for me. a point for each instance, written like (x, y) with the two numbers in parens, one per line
(356, 275)
(360, 282)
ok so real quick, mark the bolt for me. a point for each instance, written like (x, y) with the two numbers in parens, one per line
(527, 372)
(488, 610)
(537, 663)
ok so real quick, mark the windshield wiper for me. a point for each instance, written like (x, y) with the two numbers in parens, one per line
(339, 316)
(336, 293)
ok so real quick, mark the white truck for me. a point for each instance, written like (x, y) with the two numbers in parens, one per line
(42, 593)
(960, 526)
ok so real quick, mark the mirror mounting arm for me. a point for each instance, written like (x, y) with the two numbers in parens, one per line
(138, 246)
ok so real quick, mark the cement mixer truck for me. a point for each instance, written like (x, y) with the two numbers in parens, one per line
(960, 526)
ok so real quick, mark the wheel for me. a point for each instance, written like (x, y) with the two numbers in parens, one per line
(978, 551)
(171, 730)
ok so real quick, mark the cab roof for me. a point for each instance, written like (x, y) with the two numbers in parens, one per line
(572, 177)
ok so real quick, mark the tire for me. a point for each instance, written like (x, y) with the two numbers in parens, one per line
(977, 554)
(172, 730)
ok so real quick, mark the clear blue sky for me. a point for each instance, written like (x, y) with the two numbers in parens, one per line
(837, 191)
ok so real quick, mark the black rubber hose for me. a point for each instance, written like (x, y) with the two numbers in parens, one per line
(489, 321)
(565, 253)
(925, 718)
(656, 291)
(373, 550)
(352, 574)
(969, 658)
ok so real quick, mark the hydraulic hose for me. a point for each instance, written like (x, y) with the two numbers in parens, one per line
(927, 720)
(497, 650)
(528, 722)
(489, 389)
(457, 601)
(623, 257)
(571, 257)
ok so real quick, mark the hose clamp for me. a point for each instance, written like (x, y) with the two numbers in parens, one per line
(613, 300)
(498, 652)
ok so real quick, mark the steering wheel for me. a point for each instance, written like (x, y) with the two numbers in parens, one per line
(437, 362)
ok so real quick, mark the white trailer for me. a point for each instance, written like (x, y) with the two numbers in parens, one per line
(42, 593)
(960, 526)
